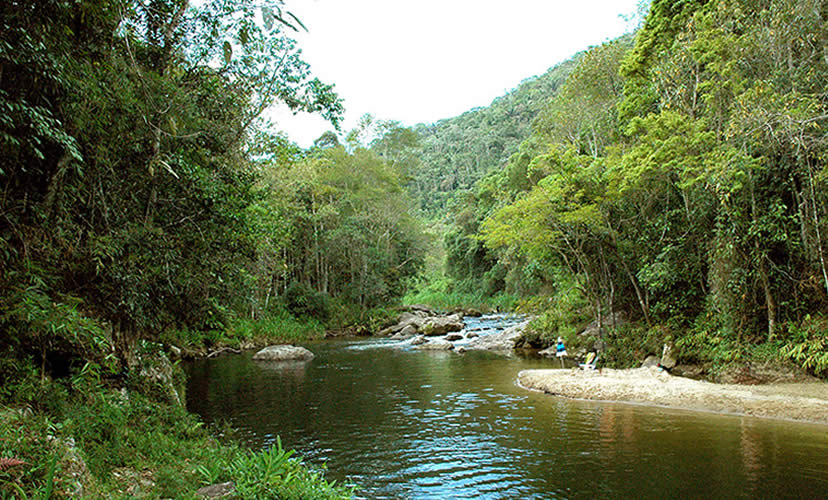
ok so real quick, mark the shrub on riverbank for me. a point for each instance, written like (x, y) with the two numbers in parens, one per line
(93, 441)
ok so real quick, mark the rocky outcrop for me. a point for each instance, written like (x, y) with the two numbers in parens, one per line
(76, 479)
(283, 353)
(500, 341)
(424, 321)
(151, 374)
(806, 402)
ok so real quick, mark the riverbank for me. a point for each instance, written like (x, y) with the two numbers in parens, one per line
(804, 402)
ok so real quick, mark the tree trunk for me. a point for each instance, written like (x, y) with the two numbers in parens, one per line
(769, 300)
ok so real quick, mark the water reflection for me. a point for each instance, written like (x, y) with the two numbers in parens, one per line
(407, 424)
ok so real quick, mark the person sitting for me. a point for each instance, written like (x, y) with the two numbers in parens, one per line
(590, 362)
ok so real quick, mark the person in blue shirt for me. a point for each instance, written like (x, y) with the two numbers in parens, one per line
(560, 351)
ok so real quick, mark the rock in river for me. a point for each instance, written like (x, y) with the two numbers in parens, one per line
(441, 325)
(500, 341)
(406, 333)
(283, 353)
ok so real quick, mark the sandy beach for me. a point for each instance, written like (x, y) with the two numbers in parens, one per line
(806, 402)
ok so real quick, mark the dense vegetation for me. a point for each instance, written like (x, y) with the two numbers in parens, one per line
(145, 200)
(670, 185)
(679, 180)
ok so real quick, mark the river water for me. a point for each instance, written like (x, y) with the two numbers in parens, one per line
(402, 423)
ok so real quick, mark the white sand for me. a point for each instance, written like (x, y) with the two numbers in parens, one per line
(806, 402)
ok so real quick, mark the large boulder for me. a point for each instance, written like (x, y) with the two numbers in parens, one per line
(283, 353)
(416, 319)
(650, 362)
(421, 309)
(406, 333)
(668, 357)
(436, 345)
(442, 325)
(500, 341)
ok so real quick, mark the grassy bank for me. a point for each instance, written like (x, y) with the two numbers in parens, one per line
(96, 435)
(240, 333)
(95, 430)
(80, 424)
(441, 294)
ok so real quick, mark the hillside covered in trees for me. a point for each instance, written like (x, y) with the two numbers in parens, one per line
(679, 180)
(456, 152)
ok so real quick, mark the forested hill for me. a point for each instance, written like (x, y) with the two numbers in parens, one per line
(678, 183)
(458, 151)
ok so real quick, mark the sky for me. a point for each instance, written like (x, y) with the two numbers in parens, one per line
(426, 60)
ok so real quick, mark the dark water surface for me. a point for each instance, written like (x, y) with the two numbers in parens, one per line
(407, 424)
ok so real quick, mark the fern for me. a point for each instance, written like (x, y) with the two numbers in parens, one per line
(8, 463)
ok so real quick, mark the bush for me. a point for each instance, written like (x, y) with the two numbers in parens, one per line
(808, 345)
(302, 301)
(631, 343)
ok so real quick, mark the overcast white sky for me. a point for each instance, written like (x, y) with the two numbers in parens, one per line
(425, 60)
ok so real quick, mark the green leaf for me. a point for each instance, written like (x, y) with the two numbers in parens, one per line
(228, 52)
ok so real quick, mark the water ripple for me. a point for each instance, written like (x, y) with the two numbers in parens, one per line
(404, 424)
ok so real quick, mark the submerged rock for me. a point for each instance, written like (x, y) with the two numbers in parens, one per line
(436, 345)
(283, 353)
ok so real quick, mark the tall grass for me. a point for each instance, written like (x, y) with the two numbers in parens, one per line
(279, 328)
(441, 294)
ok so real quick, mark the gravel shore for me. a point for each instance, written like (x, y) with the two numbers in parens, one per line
(806, 402)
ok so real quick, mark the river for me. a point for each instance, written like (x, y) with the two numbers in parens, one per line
(402, 423)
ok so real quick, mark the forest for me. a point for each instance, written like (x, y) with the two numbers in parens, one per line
(669, 184)
(673, 188)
